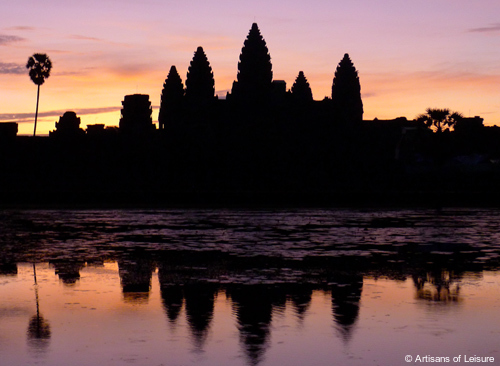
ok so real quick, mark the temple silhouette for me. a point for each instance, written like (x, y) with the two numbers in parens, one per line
(261, 143)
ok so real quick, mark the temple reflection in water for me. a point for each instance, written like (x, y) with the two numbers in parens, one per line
(189, 295)
(253, 304)
(244, 289)
(188, 291)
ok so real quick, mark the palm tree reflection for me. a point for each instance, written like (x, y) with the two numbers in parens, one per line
(438, 286)
(38, 328)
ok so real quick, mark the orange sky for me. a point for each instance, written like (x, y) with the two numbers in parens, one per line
(410, 55)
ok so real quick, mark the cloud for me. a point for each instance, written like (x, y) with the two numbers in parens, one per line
(21, 28)
(58, 52)
(85, 111)
(124, 69)
(446, 78)
(79, 37)
(6, 39)
(494, 28)
(11, 68)
(454, 79)
(84, 38)
(28, 117)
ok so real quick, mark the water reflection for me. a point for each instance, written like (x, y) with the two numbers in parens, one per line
(269, 266)
(8, 268)
(253, 307)
(438, 286)
(68, 271)
(300, 295)
(38, 328)
(346, 293)
(172, 298)
(53, 235)
(135, 276)
(199, 300)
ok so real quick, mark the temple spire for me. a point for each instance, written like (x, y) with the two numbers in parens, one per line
(346, 92)
(301, 90)
(255, 73)
(172, 97)
(200, 79)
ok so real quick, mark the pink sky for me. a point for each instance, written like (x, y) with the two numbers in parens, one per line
(410, 55)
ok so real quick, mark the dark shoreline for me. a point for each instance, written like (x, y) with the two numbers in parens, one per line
(249, 200)
(318, 164)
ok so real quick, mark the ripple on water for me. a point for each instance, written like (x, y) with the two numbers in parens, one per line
(293, 234)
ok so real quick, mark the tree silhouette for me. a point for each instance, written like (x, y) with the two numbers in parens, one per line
(301, 90)
(172, 97)
(440, 119)
(346, 92)
(200, 78)
(255, 73)
(39, 66)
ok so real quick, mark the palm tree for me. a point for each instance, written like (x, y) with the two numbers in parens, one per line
(440, 119)
(39, 66)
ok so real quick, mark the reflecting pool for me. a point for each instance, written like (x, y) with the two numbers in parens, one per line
(234, 287)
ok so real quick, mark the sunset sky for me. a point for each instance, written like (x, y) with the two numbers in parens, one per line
(410, 55)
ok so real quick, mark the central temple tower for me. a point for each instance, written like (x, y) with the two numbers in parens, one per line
(255, 74)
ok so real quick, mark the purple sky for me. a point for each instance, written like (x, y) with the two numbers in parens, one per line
(410, 55)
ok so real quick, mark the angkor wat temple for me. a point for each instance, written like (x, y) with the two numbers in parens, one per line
(255, 95)
(260, 144)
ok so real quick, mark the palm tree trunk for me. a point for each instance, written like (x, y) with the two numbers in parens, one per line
(36, 113)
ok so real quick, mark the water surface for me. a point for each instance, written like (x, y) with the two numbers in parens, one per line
(240, 287)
